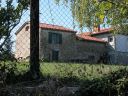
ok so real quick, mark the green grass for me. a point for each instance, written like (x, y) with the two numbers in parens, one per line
(92, 78)
(82, 71)
(60, 70)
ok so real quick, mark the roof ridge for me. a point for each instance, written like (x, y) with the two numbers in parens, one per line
(90, 38)
(55, 27)
(48, 26)
(100, 32)
(52, 24)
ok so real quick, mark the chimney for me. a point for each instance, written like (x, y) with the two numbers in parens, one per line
(96, 28)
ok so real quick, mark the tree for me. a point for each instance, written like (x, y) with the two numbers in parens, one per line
(7, 54)
(10, 16)
(91, 13)
(34, 40)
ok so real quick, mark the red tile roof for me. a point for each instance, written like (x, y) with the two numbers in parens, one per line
(55, 27)
(102, 31)
(89, 38)
(87, 33)
(48, 27)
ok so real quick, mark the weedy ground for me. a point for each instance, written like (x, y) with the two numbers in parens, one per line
(100, 79)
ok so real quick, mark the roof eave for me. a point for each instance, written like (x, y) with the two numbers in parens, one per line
(80, 38)
(71, 31)
(22, 27)
(95, 41)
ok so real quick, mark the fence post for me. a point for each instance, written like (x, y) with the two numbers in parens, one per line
(34, 39)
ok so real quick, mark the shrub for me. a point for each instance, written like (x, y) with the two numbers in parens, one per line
(114, 84)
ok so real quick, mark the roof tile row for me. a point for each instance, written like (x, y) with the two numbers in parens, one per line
(89, 38)
(85, 35)
(55, 27)
(88, 35)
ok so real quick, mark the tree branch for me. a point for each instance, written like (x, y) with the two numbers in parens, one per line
(8, 35)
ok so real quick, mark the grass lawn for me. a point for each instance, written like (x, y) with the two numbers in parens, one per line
(86, 76)
(82, 71)
(79, 70)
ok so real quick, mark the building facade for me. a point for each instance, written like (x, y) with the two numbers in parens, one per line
(58, 43)
(117, 45)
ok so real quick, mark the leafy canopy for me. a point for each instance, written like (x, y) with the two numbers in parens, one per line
(10, 15)
(91, 13)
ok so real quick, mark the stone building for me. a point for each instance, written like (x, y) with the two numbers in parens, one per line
(117, 45)
(58, 43)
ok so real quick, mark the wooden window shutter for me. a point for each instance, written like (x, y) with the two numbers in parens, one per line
(60, 39)
(50, 38)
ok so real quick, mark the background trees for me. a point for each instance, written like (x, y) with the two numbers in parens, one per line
(91, 13)
(10, 15)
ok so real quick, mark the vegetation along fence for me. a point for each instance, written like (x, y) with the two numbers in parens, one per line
(67, 42)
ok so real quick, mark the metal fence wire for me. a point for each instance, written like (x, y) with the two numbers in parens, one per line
(51, 37)
(62, 38)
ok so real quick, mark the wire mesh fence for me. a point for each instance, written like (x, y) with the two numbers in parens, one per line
(62, 38)
(70, 51)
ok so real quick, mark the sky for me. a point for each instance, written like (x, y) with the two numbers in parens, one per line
(50, 13)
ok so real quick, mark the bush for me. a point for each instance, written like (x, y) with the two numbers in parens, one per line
(12, 72)
(114, 84)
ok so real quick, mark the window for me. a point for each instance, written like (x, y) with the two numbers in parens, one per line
(55, 55)
(91, 57)
(110, 38)
(55, 38)
(27, 28)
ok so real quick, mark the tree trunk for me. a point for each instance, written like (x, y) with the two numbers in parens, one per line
(34, 39)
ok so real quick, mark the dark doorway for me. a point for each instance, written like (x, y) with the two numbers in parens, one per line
(55, 55)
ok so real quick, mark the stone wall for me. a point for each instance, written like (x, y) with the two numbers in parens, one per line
(23, 43)
(117, 49)
(122, 57)
(71, 49)
(66, 49)
(90, 51)
(117, 57)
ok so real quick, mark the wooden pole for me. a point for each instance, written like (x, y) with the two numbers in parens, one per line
(34, 39)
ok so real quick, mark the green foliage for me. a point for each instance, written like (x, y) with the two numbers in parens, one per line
(81, 71)
(7, 54)
(10, 71)
(10, 16)
(7, 72)
(93, 79)
(113, 84)
(91, 13)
